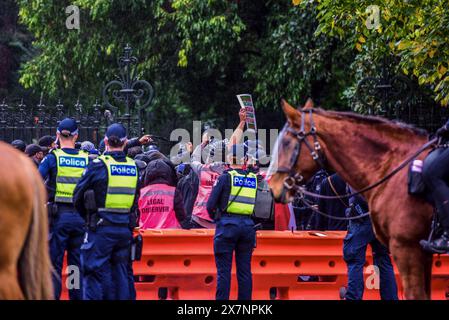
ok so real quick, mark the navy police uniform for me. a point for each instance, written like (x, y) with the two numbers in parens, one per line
(105, 253)
(231, 204)
(61, 169)
(436, 177)
(360, 234)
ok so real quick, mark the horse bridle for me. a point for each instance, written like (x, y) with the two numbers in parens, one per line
(294, 178)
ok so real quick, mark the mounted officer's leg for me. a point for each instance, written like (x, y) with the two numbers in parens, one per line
(354, 254)
(381, 257)
(435, 174)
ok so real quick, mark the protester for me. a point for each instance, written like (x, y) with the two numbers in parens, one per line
(156, 155)
(188, 186)
(87, 146)
(134, 151)
(160, 204)
(35, 152)
(19, 145)
(211, 170)
(47, 143)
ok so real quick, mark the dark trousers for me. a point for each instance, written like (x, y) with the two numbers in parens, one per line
(66, 234)
(354, 253)
(234, 234)
(436, 174)
(105, 258)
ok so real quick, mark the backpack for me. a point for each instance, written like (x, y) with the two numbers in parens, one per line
(188, 186)
(264, 207)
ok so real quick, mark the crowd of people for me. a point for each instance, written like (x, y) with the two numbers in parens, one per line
(122, 183)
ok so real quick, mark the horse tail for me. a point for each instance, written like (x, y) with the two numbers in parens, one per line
(35, 267)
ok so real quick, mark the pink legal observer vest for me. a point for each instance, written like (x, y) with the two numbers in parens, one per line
(207, 180)
(156, 205)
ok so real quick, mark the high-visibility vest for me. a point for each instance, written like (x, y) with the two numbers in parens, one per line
(243, 193)
(122, 183)
(157, 209)
(207, 179)
(70, 168)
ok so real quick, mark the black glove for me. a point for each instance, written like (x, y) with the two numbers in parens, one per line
(186, 224)
(133, 220)
(443, 132)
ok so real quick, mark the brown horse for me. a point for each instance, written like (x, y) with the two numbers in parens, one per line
(362, 150)
(25, 267)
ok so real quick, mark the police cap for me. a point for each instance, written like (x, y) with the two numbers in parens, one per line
(68, 127)
(116, 130)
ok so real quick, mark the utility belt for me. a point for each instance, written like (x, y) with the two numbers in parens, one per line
(353, 211)
(227, 214)
(53, 209)
(94, 221)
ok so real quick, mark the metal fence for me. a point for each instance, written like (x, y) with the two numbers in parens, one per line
(28, 123)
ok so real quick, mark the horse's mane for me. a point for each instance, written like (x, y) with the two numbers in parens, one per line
(373, 120)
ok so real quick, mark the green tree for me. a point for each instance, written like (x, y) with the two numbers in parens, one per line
(198, 54)
(15, 47)
(414, 31)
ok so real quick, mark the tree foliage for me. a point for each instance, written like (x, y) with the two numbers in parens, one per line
(415, 31)
(199, 54)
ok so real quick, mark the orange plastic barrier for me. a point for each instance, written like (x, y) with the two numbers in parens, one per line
(183, 261)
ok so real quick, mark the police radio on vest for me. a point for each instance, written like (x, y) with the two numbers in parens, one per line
(245, 182)
(123, 170)
(72, 162)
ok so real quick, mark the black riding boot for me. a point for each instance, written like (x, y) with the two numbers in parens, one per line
(441, 244)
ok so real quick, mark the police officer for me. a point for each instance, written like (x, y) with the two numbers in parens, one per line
(105, 253)
(231, 205)
(360, 234)
(435, 173)
(62, 168)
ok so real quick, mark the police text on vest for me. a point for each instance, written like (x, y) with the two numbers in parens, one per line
(72, 162)
(123, 170)
(247, 182)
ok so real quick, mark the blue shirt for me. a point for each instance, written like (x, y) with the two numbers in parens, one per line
(48, 169)
(95, 177)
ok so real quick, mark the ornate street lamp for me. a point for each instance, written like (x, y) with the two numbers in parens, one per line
(136, 95)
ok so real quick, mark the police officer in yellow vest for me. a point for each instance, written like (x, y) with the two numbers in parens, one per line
(62, 169)
(105, 253)
(231, 205)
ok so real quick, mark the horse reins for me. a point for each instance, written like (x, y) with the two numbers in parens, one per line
(294, 179)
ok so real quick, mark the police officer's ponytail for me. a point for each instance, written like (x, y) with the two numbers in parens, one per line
(115, 142)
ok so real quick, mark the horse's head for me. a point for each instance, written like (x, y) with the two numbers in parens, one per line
(298, 155)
